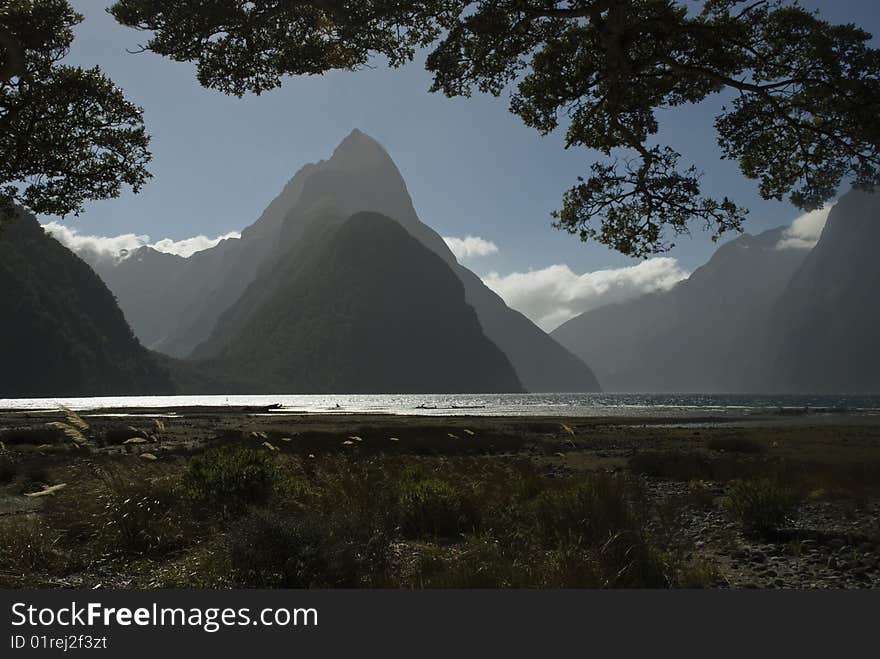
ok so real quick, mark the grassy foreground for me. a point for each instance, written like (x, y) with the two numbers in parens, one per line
(222, 499)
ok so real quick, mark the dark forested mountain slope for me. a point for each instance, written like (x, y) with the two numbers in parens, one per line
(62, 333)
(362, 307)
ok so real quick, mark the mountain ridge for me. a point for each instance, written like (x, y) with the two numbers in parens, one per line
(700, 335)
(63, 333)
(359, 176)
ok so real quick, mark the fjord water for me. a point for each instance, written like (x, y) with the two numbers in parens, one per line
(595, 404)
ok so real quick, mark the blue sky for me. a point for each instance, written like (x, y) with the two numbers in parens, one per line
(471, 167)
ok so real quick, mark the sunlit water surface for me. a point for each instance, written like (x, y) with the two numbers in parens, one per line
(604, 404)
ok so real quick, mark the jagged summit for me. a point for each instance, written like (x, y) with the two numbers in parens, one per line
(359, 177)
(357, 154)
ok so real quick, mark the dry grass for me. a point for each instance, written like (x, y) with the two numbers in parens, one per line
(488, 508)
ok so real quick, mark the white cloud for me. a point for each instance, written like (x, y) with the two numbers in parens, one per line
(555, 294)
(804, 232)
(189, 246)
(104, 249)
(96, 248)
(470, 247)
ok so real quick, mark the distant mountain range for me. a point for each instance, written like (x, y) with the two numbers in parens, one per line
(203, 306)
(62, 333)
(758, 317)
(338, 287)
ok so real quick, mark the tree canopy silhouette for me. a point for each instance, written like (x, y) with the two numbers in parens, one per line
(67, 135)
(801, 115)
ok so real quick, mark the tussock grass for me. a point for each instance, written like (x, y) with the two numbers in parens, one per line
(432, 508)
(142, 518)
(761, 505)
(27, 545)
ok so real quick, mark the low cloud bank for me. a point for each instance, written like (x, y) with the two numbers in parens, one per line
(553, 295)
(112, 249)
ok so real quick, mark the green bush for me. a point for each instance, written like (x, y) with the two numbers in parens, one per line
(592, 511)
(760, 505)
(431, 508)
(271, 551)
(309, 550)
(595, 516)
(226, 480)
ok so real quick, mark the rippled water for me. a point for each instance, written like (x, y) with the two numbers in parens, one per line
(688, 405)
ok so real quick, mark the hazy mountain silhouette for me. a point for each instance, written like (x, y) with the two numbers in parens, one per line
(62, 332)
(359, 307)
(360, 176)
(706, 334)
(826, 325)
(149, 308)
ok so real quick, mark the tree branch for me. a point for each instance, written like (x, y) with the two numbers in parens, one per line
(13, 64)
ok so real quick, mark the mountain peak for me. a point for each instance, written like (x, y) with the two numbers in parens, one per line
(360, 151)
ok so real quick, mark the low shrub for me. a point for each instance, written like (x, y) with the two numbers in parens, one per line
(309, 550)
(596, 517)
(271, 551)
(481, 563)
(432, 508)
(570, 566)
(590, 511)
(760, 505)
(226, 480)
